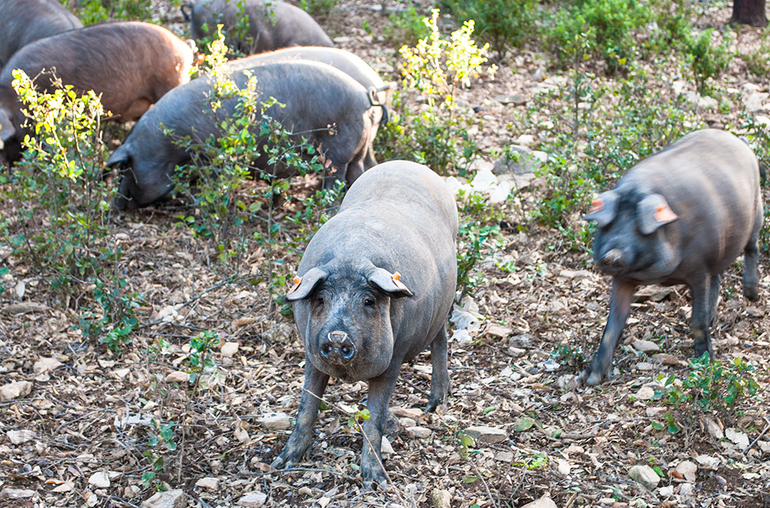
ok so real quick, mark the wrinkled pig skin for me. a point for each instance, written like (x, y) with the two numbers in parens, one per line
(348, 63)
(361, 321)
(322, 104)
(681, 216)
(272, 24)
(131, 65)
(25, 21)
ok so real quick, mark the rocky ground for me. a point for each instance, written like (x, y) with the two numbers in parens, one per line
(80, 426)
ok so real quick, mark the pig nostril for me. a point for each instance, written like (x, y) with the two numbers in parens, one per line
(326, 349)
(347, 351)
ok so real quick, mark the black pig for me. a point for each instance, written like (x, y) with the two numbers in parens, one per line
(681, 216)
(25, 21)
(321, 103)
(348, 63)
(271, 24)
(358, 318)
(131, 65)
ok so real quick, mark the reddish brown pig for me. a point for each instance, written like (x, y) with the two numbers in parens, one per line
(25, 21)
(131, 65)
(271, 24)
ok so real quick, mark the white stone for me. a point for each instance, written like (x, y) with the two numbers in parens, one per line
(275, 421)
(418, 432)
(18, 437)
(645, 475)
(646, 346)
(441, 498)
(708, 462)
(646, 392)
(486, 435)
(16, 493)
(208, 483)
(666, 491)
(407, 412)
(169, 499)
(686, 489)
(100, 480)
(644, 366)
(253, 500)
(15, 390)
(543, 502)
(229, 349)
(386, 448)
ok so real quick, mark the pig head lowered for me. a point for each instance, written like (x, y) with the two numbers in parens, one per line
(271, 24)
(681, 216)
(25, 21)
(358, 318)
(131, 65)
(321, 103)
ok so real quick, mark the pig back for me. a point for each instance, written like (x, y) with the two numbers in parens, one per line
(124, 62)
(402, 217)
(25, 21)
(710, 179)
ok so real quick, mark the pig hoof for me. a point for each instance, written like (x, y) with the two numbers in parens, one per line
(751, 293)
(379, 480)
(590, 378)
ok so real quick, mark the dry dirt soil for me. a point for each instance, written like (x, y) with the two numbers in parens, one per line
(80, 431)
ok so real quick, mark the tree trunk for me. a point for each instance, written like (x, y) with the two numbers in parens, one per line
(749, 12)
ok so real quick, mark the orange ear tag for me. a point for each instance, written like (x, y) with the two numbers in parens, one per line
(597, 205)
(297, 282)
(399, 284)
(664, 214)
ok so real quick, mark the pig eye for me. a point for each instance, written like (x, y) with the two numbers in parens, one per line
(319, 300)
(368, 301)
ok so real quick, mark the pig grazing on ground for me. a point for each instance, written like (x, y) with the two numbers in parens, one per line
(360, 319)
(271, 24)
(348, 63)
(131, 65)
(321, 103)
(681, 216)
(25, 21)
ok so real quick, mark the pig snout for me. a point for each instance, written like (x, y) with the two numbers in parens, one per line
(337, 348)
(612, 262)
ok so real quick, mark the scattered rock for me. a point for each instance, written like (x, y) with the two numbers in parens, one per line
(440, 498)
(708, 462)
(16, 493)
(754, 312)
(418, 432)
(169, 499)
(45, 365)
(385, 447)
(645, 475)
(100, 480)
(519, 161)
(515, 99)
(666, 359)
(646, 392)
(652, 293)
(15, 390)
(208, 483)
(16, 309)
(407, 412)
(644, 366)
(177, 377)
(253, 500)
(543, 502)
(275, 421)
(486, 435)
(229, 349)
(506, 457)
(646, 346)
(280, 333)
(498, 330)
(18, 437)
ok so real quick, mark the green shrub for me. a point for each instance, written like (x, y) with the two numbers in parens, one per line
(61, 211)
(405, 28)
(92, 12)
(504, 24)
(705, 59)
(318, 8)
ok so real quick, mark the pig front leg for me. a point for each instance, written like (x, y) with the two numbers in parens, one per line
(439, 381)
(380, 389)
(716, 281)
(620, 306)
(302, 436)
(701, 314)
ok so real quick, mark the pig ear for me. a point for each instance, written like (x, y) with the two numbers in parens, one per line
(389, 282)
(653, 212)
(603, 208)
(120, 156)
(304, 285)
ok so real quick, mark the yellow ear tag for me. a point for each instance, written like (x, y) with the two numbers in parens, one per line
(597, 205)
(297, 282)
(664, 214)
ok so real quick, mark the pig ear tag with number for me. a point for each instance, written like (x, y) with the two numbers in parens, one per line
(297, 282)
(664, 214)
(597, 205)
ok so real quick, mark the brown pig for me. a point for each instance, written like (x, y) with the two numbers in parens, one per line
(131, 65)
(25, 21)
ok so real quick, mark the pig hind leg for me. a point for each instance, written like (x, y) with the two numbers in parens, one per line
(714, 299)
(750, 254)
(439, 381)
